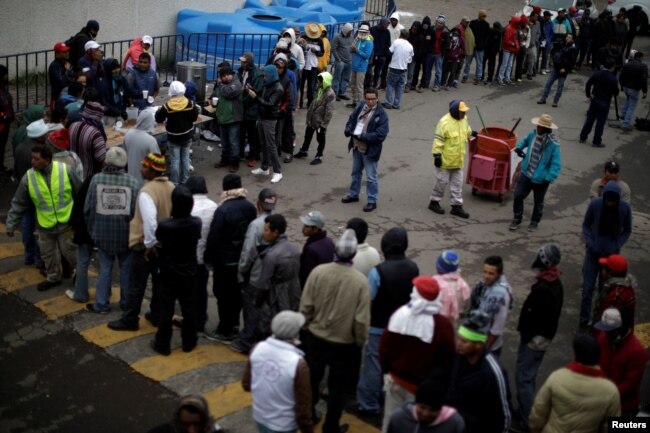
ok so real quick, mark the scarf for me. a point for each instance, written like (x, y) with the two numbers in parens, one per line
(416, 318)
(576, 367)
(549, 274)
(231, 194)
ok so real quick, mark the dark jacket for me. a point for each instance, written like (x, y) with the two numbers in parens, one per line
(602, 85)
(59, 77)
(95, 72)
(493, 45)
(403, 421)
(480, 393)
(481, 30)
(113, 92)
(376, 131)
(228, 230)
(255, 78)
(417, 40)
(318, 249)
(634, 75)
(269, 100)
(609, 54)
(602, 241)
(381, 40)
(178, 236)
(565, 58)
(77, 48)
(445, 40)
(229, 108)
(428, 36)
(77, 220)
(541, 310)
(603, 32)
(180, 121)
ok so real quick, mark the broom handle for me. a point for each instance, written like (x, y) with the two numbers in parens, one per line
(482, 122)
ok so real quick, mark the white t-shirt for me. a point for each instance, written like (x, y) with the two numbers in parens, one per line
(402, 54)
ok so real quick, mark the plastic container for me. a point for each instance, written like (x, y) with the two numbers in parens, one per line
(131, 116)
(501, 134)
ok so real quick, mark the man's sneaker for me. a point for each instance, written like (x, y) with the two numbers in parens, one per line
(277, 177)
(541, 101)
(317, 160)
(70, 295)
(259, 172)
(209, 135)
(348, 199)
(554, 104)
(615, 125)
(459, 211)
(463, 80)
(121, 325)
(287, 159)
(419, 89)
(532, 226)
(219, 337)
(435, 89)
(301, 154)
(47, 285)
(239, 347)
(91, 308)
(344, 97)
(514, 225)
(435, 206)
(597, 145)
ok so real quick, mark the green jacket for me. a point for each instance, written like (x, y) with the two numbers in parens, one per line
(256, 79)
(229, 107)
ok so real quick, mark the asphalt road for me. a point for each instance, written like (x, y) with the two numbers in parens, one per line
(61, 370)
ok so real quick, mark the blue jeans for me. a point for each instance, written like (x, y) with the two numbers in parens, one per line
(506, 66)
(84, 254)
(629, 106)
(264, 429)
(359, 162)
(395, 86)
(554, 75)
(528, 363)
(229, 134)
(598, 111)
(341, 80)
(104, 282)
(371, 380)
(179, 162)
(590, 273)
(32, 250)
(478, 57)
(438, 60)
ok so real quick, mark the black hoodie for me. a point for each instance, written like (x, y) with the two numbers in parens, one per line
(113, 92)
(179, 235)
(416, 39)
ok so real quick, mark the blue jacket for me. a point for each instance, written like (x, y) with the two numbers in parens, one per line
(605, 244)
(547, 32)
(361, 57)
(376, 131)
(549, 165)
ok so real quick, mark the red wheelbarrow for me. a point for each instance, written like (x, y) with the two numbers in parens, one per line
(490, 164)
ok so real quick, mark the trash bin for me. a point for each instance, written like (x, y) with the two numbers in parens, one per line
(195, 72)
(501, 134)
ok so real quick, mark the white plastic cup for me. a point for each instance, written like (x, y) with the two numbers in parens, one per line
(150, 99)
(215, 100)
(145, 94)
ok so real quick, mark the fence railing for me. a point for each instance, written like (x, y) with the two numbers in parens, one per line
(29, 81)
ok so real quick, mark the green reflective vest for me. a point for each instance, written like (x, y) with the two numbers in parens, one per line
(53, 202)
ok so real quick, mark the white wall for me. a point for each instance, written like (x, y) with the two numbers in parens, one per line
(32, 25)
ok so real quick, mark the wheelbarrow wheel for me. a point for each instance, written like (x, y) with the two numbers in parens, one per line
(474, 191)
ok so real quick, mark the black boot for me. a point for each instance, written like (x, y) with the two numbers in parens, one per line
(458, 210)
(435, 206)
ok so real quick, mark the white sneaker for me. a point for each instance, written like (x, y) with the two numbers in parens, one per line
(209, 135)
(277, 177)
(258, 171)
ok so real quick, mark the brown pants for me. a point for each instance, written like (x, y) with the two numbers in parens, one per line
(53, 245)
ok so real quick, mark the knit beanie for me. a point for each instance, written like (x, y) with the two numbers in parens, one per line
(548, 255)
(346, 245)
(116, 157)
(347, 28)
(196, 185)
(156, 162)
(427, 287)
(93, 111)
(447, 262)
(176, 88)
(231, 181)
(286, 325)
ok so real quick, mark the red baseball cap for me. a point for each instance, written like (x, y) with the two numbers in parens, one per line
(60, 47)
(616, 263)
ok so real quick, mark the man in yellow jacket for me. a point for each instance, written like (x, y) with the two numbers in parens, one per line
(327, 47)
(49, 188)
(449, 146)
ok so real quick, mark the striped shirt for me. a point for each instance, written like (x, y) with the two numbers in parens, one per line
(536, 154)
(90, 146)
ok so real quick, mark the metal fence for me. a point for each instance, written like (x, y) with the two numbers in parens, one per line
(29, 82)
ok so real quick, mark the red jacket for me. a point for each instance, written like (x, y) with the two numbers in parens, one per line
(624, 364)
(410, 360)
(510, 37)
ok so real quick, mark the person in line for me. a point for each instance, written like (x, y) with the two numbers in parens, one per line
(633, 80)
(611, 173)
(59, 71)
(619, 286)
(138, 143)
(401, 56)
(143, 80)
(362, 50)
(318, 249)
(367, 256)
(342, 52)
(229, 113)
(78, 42)
(250, 75)
(454, 291)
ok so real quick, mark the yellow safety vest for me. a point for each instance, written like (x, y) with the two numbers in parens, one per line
(53, 202)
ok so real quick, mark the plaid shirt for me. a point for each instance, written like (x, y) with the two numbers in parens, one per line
(109, 207)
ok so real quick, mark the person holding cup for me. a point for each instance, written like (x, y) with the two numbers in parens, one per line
(144, 83)
(229, 113)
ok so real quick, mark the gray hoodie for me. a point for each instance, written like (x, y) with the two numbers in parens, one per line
(138, 142)
(341, 45)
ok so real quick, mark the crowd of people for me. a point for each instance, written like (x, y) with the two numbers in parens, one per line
(408, 349)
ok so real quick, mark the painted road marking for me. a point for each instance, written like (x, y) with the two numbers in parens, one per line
(60, 306)
(642, 331)
(227, 399)
(103, 337)
(160, 367)
(11, 249)
(18, 279)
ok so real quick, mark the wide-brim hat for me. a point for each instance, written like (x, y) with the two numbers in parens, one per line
(312, 30)
(545, 120)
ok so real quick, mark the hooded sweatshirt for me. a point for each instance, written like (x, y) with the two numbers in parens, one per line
(138, 143)
(341, 46)
(395, 30)
(510, 39)
(451, 138)
(179, 235)
(405, 420)
(113, 91)
(180, 114)
(296, 51)
(31, 114)
(416, 38)
(381, 38)
(606, 230)
(321, 110)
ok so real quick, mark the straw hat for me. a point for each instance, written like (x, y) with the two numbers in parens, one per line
(312, 30)
(544, 120)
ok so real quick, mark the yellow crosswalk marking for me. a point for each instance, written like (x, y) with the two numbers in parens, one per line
(227, 399)
(103, 337)
(60, 306)
(642, 331)
(11, 249)
(163, 367)
(18, 279)
(356, 425)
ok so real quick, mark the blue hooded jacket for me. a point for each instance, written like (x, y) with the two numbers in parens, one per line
(271, 75)
(599, 240)
(549, 165)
